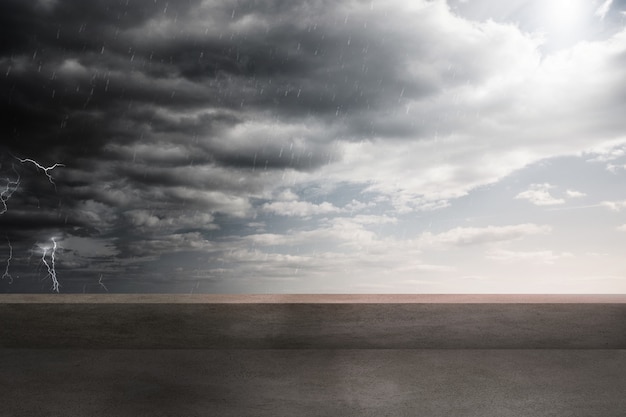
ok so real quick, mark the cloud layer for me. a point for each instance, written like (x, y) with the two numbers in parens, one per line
(324, 123)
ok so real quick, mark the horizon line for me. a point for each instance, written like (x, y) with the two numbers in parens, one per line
(346, 298)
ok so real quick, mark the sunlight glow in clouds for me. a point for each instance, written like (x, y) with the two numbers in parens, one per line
(565, 17)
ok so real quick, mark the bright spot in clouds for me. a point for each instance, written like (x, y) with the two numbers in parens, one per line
(564, 16)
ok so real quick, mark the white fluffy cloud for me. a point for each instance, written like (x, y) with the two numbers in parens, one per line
(614, 205)
(475, 133)
(574, 194)
(539, 195)
(299, 208)
(467, 236)
(540, 257)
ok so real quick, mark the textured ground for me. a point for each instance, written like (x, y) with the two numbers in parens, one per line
(341, 358)
(321, 382)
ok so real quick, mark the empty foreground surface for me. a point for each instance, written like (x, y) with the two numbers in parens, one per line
(281, 369)
(320, 382)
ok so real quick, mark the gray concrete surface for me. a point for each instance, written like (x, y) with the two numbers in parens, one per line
(344, 325)
(312, 356)
(303, 383)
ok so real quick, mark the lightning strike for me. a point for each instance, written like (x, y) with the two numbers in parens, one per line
(44, 169)
(11, 186)
(102, 284)
(52, 273)
(6, 271)
(9, 189)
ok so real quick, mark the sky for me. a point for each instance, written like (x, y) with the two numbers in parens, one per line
(271, 146)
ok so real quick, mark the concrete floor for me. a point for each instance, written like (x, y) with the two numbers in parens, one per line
(312, 356)
(361, 382)
(177, 324)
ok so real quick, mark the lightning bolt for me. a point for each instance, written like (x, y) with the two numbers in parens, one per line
(8, 191)
(52, 273)
(41, 167)
(6, 271)
(102, 284)
(11, 186)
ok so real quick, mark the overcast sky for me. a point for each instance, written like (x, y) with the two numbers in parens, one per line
(270, 146)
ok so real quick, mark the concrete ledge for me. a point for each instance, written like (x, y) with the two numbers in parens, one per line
(313, 321)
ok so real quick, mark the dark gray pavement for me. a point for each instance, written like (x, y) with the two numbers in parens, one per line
(361, 382)
(307, 325)
(335, 356)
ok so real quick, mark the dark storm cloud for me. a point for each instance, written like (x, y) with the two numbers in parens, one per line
(113, 72)
(15, 221)
(76, 25)
(321, 65)
(69, 68)
(161, 109)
